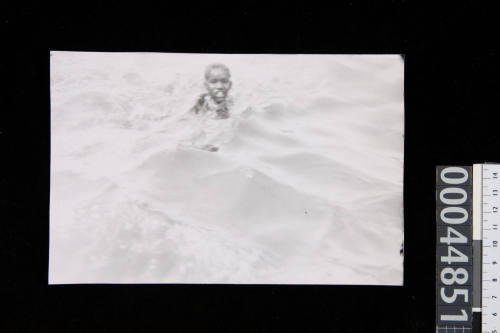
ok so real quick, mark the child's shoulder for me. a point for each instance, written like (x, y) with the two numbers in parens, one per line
(199, 104)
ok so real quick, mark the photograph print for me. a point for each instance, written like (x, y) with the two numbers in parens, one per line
(226, 168)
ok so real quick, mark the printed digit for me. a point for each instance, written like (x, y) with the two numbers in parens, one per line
(461, 317)
(455, 276)
(460, 239)
(453, 298)
(464, 215)
(459, 257)
(453, 190)
(454, 181)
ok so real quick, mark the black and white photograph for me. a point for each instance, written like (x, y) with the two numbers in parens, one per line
(226, 168)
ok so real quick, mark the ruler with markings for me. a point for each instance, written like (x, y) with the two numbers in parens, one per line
(468, 248)
(488, 218)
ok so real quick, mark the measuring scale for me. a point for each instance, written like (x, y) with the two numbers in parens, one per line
(468, 249)
(486, 230)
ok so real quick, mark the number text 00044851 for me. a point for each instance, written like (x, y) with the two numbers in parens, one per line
(454, 246)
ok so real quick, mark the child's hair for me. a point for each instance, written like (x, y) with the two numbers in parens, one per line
(216, 66)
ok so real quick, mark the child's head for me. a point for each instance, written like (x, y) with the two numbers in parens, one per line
(217, 81)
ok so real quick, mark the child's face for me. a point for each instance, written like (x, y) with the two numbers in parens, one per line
(218, 84)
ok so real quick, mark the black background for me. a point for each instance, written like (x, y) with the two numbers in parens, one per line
(451, 88)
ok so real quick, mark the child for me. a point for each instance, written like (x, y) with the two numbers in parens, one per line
(215, 101)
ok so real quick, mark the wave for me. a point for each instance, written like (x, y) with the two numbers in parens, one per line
(298, 190)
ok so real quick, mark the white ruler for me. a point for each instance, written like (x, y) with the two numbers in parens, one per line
(486, 208)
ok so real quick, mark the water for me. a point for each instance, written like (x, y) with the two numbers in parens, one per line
(305, 187)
